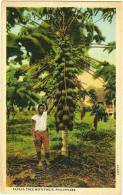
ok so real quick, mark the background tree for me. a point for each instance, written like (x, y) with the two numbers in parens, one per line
(108, 73)
(99, 112)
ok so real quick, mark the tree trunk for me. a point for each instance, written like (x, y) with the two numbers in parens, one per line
(95, 122)
(83, 112)
(64, 150)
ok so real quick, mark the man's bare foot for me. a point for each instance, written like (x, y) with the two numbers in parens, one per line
(47, 162)
(40, 165)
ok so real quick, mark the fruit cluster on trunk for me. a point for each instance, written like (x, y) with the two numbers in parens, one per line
(65, 88)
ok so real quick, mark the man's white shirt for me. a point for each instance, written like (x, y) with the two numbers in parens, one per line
(40, 121)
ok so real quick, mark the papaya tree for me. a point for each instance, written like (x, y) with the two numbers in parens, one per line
(57, 41)
(108, 73)
(99, 112)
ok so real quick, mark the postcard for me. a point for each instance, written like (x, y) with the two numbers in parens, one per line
(61, 100)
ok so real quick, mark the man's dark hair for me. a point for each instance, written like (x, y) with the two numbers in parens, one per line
(41, 105)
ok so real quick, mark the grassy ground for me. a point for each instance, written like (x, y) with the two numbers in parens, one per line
(91, 161)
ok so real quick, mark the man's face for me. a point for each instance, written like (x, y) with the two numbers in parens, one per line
(41, 109)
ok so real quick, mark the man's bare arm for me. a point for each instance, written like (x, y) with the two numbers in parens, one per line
(33, 127)
(49, 106)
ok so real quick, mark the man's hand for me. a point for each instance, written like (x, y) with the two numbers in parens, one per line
(33, 129)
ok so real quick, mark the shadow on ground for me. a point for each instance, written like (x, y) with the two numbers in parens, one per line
(62, 172)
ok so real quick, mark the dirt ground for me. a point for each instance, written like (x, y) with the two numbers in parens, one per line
(62, 172)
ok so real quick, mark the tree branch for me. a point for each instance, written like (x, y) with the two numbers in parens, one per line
(40, 71)
(99, 46)
(41, 82)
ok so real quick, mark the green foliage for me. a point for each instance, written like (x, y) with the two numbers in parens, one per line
(15, 16)
(92, 95)
(47, 25)
(13, 48)
(19, 130)
(34, 40)
(99, 110)
(108, 73)
(93, 151)
(19, 91)
(110, 47)
(55, 41)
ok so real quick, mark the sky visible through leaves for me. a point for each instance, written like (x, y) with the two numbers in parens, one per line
(108, 30)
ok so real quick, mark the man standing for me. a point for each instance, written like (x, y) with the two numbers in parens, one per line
(40, 133)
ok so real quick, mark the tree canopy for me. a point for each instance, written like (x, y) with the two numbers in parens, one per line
(55, 42)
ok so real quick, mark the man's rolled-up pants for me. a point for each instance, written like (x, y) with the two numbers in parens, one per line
(41, 137)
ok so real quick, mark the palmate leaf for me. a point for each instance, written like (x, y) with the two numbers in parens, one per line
(85, 32)
(35, 96)
(34, 41)
(108, 73)
(37, 43)
(13, 47)
(20, 93)
(105, 70)
(98, 38)
(24, 97)
(31, 43)
(12, 40)
(97, 30)
(46, 42)
(15, 16)
(110, 47)
(106, 13)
